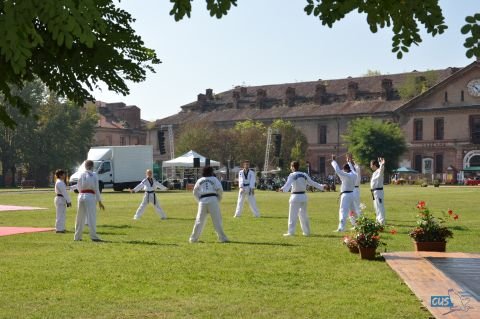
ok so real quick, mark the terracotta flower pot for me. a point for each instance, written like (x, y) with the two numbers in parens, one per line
(431, 246)
(367, 252)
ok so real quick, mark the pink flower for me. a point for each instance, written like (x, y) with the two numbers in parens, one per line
(351, 214)
(421, 205)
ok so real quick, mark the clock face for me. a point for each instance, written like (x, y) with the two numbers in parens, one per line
(473, 87)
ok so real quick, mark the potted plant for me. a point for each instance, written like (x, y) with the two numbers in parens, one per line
(367, 235)
(430, 234)
(351, 243)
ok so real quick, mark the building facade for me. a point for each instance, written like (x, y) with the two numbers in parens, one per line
(119, 124)
(441, 124)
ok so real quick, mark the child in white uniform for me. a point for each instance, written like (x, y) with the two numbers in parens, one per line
(149, 184)
(62, 201)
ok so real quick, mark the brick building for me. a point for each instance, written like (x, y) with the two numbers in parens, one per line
(441, 125)
(119, 124)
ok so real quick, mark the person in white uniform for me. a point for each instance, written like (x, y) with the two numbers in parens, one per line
(356, 191)
(208, 192)
(149, 184)
(88, 196)
(348, 178)
(62, 201)
(297, 182)
(376, 187)
(246, 184)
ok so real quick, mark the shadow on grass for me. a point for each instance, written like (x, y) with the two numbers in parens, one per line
(147, 243)
(110, 233)
(336, 235)
(274, 217)
(116, 226)
(179, 218)
(459, 228)
(259, 243)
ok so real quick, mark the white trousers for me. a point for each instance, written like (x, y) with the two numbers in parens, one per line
(356, 202)
(298, 209)
(242, 195)
(86, 208)
(149, 198)
(379, 205)
(346, 205)
(208, 205)
(61, 212)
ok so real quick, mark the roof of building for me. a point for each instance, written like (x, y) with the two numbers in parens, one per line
(321, 98)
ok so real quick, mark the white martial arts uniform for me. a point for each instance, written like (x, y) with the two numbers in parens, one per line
(149, 187)
(208, 192)
(376, 187)
(298, 182)
(61, 199)
(346, 195)
(246, 183)
(356, 191)
(88, 196)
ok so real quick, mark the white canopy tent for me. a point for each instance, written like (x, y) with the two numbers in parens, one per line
(174, 169)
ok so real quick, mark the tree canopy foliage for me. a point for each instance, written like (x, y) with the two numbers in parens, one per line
(403, 17)
(71, 46)
(56, 135)
(368, 139)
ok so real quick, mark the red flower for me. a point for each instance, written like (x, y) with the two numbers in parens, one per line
(375, 237)
(421, 205)
(455, 217)
(393, 231)
(450, 212)
(351, 214)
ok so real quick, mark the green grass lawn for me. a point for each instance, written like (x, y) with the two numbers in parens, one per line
(147, 269)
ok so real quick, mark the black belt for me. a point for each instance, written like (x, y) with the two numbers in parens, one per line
(375, 189)
(60, 195)
(357, 186)
(208, 195)
(298, 192)
(246, 184)
(154, 197)
(345, 192)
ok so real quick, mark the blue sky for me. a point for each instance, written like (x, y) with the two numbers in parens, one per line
(270, 42)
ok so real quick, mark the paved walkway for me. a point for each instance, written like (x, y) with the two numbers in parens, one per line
(6, 231)
(4, 208)
(432, 286)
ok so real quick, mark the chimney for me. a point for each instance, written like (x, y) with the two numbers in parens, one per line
(261, 97)
(209, 94)
(201, 101)
(320, 96)
(387, 89)
(290, 96)
(352, 91)
(243, 91)
(236, 99)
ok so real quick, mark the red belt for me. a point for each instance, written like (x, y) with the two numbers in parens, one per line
(87, 191)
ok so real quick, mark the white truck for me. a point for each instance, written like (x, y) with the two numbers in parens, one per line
(118, 166)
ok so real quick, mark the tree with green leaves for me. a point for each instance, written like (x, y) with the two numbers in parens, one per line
(369, 139)
(71, 46)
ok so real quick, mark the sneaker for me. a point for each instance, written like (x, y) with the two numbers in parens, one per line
(288, 235)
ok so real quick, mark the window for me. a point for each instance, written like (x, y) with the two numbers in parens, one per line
(462, 96)
(321, 165)
(439, 163)
(104, 168)
(417, 162)
(322, 134)
(475, 129)
(122, 140)
(446, 96)
(418, 129)
(439, 128)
